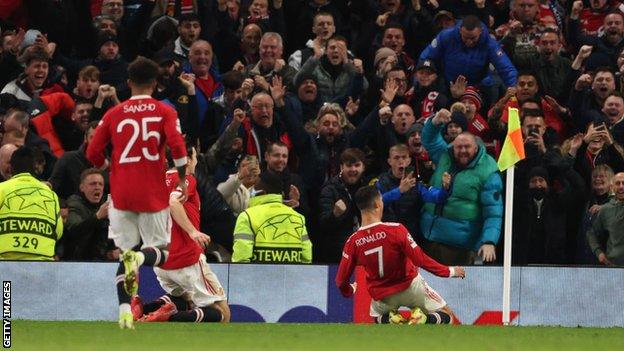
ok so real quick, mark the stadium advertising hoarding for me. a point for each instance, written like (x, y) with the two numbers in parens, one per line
(298, 293)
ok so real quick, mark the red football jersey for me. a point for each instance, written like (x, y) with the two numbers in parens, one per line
(390, 257)
(183, 251)
(138, 129)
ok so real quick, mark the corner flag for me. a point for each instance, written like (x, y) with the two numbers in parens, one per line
(513, 148)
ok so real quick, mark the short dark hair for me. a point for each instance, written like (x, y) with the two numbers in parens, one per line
(395, 69)
(338, 37)
(532, 112)
(351, 156)
(604, 69)
(273, 145)
(322, 13)
(526, 73)
(89, 171)
(269, 182)
(23, 161)
(232, 80)
(143, 71)
(365, 197)
(471, 22)
(188, 17)
(34, 53)
(616, 94)
(393, 25)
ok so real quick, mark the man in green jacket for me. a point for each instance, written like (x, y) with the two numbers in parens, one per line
(30, 220)
(609, 223)
(269, 231)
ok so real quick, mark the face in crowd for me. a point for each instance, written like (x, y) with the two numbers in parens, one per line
(277, 158)
(613, 109)
(81, 114)
(526, 88)
(526, 11)
(259, 8)
(113, 8)
(403, 118)
(329, 127)
(399, 159)
(200, 57)
(262, 110)
(464, 149)
(603, 84)
(323, 27)
(37, 73)
(189, 32)
(399, 77)
(92, 186)
(394, 39)
(270, 51)
(351, 172)
(307, 91)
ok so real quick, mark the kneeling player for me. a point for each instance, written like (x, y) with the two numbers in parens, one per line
(391, 260)
(194, 293)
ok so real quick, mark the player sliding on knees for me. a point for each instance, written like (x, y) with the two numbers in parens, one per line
(194, 293)
(391, 259)
(138, 130)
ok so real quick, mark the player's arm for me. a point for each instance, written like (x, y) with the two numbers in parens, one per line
(176, 207)
(175, 141)
(244, 239)
(420, 259)
(95, 150)
(345, 269)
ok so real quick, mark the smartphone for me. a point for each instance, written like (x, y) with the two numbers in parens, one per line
(409, 169)
(602, 126)
(534, 130)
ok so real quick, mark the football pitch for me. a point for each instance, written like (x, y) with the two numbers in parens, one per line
(38, 335)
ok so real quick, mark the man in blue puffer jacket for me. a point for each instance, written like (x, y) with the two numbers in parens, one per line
(468, 50)
(470, 220)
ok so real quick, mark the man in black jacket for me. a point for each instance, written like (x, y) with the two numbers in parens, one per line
(65, 178)
(86, 236)
(541, 217)
(339, 215)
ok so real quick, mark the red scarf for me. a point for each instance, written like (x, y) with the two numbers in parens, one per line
(206, 85)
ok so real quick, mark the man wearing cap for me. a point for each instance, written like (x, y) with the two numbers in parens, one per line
(430, 92)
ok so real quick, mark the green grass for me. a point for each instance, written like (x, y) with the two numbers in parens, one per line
(92, 336)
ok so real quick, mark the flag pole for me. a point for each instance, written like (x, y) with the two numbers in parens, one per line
(507, 253)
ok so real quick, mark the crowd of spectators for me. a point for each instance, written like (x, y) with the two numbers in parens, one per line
(331, 95)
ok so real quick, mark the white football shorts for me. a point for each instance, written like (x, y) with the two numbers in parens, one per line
(128, 228)
(196, 283)
(418, 294)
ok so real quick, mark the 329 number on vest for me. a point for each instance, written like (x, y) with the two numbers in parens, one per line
(25, 242)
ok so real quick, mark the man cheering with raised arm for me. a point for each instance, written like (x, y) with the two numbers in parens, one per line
(138, 130)
(391, 260)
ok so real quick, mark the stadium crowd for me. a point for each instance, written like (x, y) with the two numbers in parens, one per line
(331, 95)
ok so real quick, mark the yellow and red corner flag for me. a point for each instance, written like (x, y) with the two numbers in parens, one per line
(513, 148)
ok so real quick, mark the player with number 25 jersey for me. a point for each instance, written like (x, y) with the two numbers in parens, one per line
(138, 129)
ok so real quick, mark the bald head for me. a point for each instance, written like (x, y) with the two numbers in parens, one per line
(5, 156)
(465, 148)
